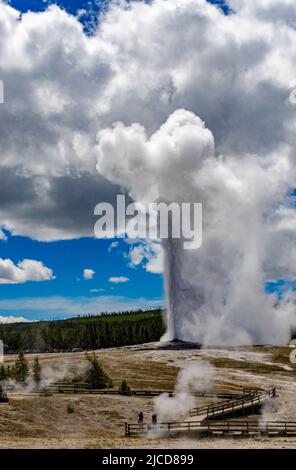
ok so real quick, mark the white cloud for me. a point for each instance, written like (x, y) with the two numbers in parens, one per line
(26, 270)
(12, 319)
(118, 279)
(112, 246)
(51, 306)
(148, 254)
(97, 290)
(3, 236)
(88, 274)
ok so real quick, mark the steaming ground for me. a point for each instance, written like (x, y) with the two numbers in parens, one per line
(43, 421)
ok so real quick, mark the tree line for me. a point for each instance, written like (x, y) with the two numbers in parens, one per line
(87, 332)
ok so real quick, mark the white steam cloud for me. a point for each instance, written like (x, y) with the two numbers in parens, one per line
(215, 294)
(196, 377)
(49, 376)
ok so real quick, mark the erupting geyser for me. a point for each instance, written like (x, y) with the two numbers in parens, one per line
(143, 65)
(215, 294)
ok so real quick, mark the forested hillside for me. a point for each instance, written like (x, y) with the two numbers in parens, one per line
(87, 332)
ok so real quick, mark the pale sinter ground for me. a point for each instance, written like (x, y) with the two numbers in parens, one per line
(32, 421)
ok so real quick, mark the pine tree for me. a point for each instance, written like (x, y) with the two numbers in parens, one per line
(96, 376)
(36, 371)
(124, 388)
(21, 368)
(3, 374)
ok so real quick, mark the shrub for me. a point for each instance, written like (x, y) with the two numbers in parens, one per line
(70, 408)
(3, 395)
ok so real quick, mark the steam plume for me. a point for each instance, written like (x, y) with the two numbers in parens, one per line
(195, 377)
(215, 294)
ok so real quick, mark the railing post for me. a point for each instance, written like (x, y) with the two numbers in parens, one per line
(127, 429)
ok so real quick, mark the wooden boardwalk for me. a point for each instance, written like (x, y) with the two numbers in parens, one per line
(218, 428)
(201, 419)
(243, 404)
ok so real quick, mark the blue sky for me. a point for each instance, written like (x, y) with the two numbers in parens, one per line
(68, 259)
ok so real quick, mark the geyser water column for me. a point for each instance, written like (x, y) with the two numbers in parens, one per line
(174, 287)
(177, 289)
(183, 299)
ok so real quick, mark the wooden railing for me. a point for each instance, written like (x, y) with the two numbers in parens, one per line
(251, 427)
(60, 387)
(241, 403)
(246, 427)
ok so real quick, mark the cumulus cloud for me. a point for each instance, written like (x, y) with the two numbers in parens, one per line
(88, 274)
(24, 271)
(233, 83)
(118, 279)
(149, 255)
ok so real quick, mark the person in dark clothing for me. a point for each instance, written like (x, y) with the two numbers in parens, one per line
(154, 418)
(141, 417)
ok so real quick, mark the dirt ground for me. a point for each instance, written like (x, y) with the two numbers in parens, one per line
(97, 421)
